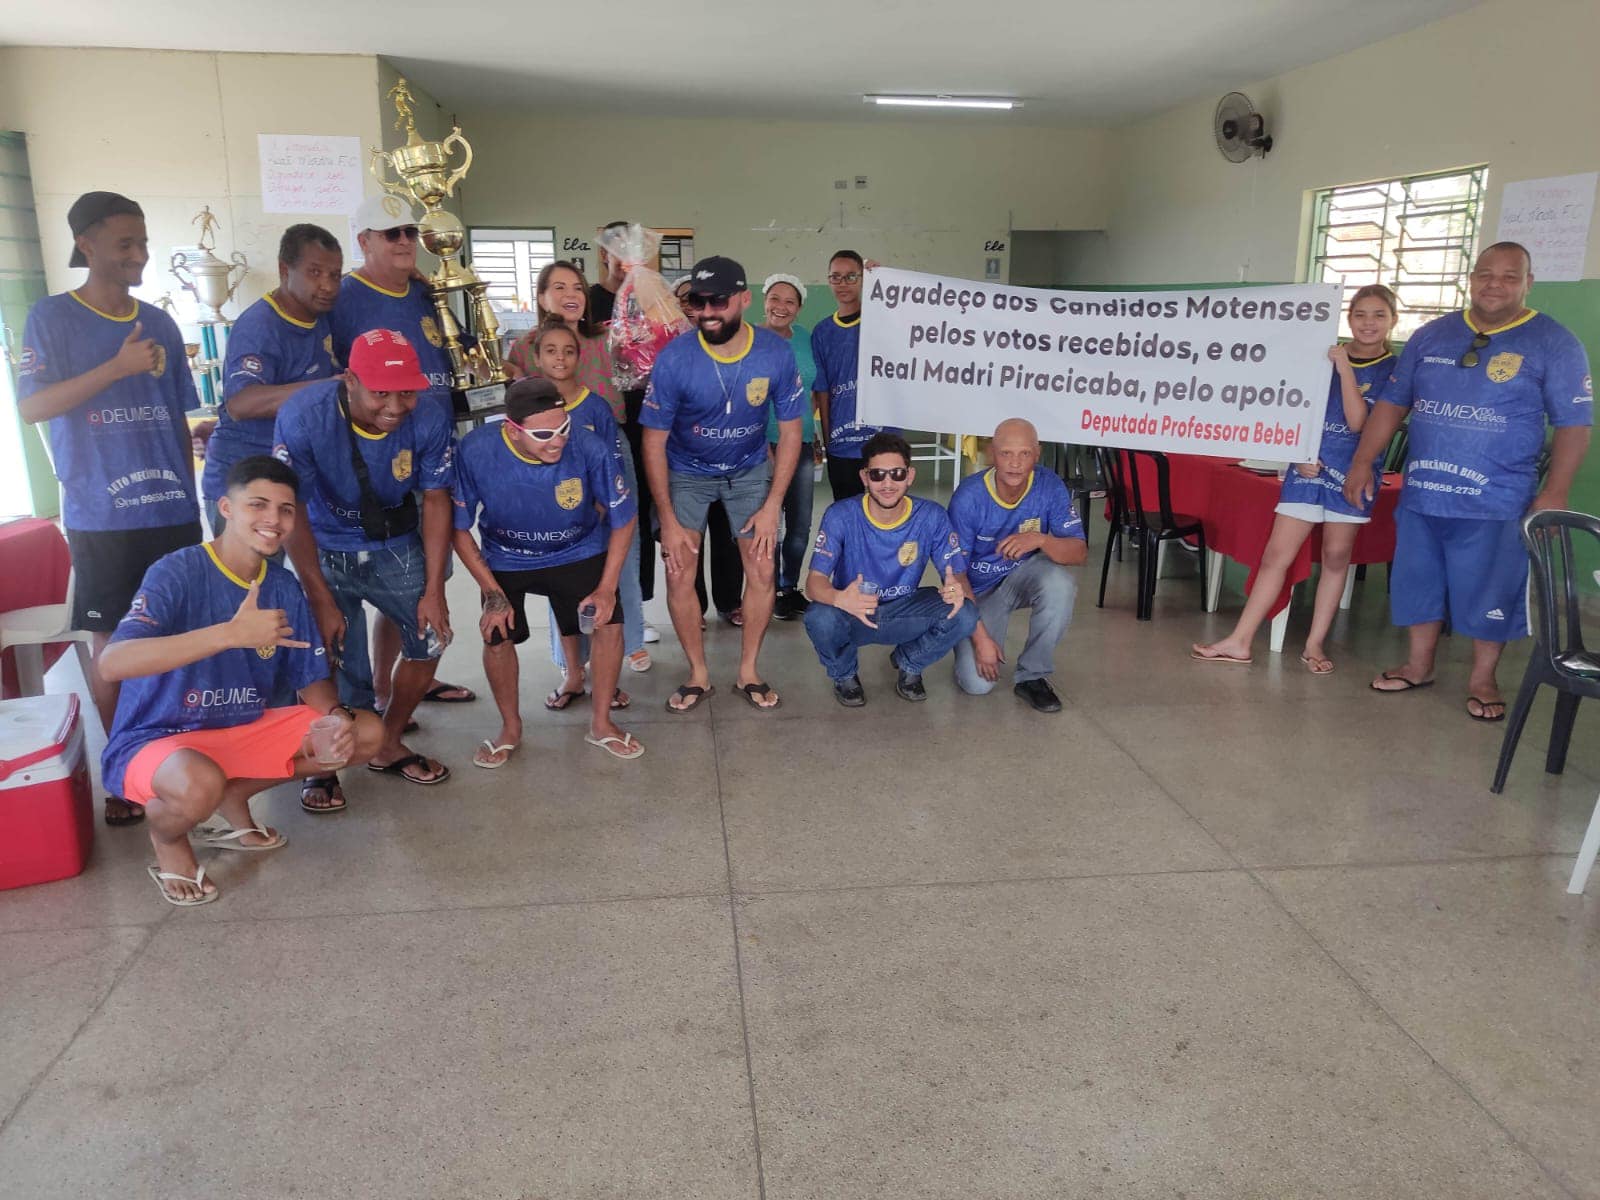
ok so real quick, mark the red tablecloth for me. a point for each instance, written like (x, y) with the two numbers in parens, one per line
(1236, 507)
(34, 566)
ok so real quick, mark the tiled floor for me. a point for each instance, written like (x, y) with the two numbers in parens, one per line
(1210, 932)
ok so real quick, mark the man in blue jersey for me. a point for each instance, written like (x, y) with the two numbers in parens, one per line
(1480, 386)
(555, 517)
(866, 565)
(835, 344)
(279, 344)
(385, 292)
(1021, 532)
(109, 374)
(213, 634)
(705, 439)
(365, 448)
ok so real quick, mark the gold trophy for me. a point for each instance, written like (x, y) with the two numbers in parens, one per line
(424, 175)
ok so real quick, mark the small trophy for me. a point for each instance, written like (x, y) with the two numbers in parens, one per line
(204, 275)
(424, 175)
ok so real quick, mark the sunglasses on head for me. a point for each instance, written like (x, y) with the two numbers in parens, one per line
(852, 277)
(1470, 358)
(547, 435)
(407, 232)
(716, 303)
(879, 474)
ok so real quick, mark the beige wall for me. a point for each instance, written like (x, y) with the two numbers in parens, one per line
(763, 192)
(175, 131)
(1511, 83)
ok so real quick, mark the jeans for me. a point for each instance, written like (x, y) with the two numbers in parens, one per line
(918, 626)
(791, 549)
(1036, 583)
(390, 579)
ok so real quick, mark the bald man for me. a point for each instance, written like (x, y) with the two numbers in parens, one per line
(1021, 533)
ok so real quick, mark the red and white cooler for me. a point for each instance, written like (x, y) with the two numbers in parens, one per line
(46, 806)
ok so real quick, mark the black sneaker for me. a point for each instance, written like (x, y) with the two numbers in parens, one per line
(849, 692)
(909, 686)
(783, 606)
(1039, 694)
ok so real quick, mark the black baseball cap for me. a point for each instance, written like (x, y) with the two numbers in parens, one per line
(89, 209)
(717, 276)
(531, 394)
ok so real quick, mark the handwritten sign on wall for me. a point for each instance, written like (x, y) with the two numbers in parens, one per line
(310, 173)
(1551, 218)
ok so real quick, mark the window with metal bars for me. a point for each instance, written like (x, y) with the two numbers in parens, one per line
(1416, 234)
(509, 261)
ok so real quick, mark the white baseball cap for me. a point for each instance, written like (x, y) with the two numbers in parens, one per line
(386, 211)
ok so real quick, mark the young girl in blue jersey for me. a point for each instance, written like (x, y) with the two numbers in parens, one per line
(1312, 492)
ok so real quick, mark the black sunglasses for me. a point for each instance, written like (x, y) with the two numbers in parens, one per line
(716, 303)
(409, 232)
(879, 474)
(1470, 358)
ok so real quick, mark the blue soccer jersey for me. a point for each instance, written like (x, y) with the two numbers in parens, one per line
(713, 404)
(835, 344)
(313, 436)
(364, 306)
(889, 556)
(982, 521)
(266, 346)
(1476, 432)
(1339, 441)
(182, 592)
(591, 412)
(124, 457)
(532, 514)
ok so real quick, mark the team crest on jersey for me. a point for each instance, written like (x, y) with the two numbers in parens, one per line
(327, 344)
(569, 493)
(1503, 367)
(430, 330)
(266, 651)
(1031, 525)
(1364, 388)
(160, 368)
(400, 466)
(908, 553)
(756, 391)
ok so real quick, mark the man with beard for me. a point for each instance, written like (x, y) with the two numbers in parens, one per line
(705, 439)
(109, 374)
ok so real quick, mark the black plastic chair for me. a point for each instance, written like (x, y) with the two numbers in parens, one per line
(1079, 468)
(1148, 527)
(1560, 658)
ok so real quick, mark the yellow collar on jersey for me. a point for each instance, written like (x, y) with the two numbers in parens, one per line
(749, 341)
(106, 315)
(295, 321)
(382, 291)
(866, 508)
(1466, 315)
(216, 561)
(988, 482)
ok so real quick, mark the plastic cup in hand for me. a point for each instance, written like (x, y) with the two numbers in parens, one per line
(586, 619)
(324, 733)
(867, 588)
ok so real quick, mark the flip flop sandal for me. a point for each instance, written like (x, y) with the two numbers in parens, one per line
(620, 700)
(751, 690)
(1483, 709)
(1220, 658)
(490, 749)
(129, 818)
(399, 765)
(437, 694)
(695, 695)
(1410, 684)
(618, 747)
(224, 838)
(326, 783)
(558, 700)
(198, 881)
(1316, 665)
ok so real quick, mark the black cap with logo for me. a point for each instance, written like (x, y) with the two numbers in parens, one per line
(89, 209)
(717, 276)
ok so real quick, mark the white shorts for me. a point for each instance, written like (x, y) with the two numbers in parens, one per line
(1318, 515)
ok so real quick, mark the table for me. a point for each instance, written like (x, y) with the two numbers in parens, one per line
(34, 567)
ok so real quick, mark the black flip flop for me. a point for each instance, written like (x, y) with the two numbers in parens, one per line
(1486, 705)
(1410, 685)
(436, 694)
(131, 818)
(399, 765)
(698, 694)
(329, 784)
(751, 690)
(563, 700)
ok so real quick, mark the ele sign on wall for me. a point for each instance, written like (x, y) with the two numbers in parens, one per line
(1229, 371)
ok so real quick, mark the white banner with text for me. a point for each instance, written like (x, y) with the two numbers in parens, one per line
(1222, 371)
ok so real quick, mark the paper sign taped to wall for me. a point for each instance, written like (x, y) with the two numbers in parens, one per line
(1551, 218)
(1222, 371)
(310, 173)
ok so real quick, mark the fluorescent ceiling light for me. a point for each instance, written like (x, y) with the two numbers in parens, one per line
(946, 101)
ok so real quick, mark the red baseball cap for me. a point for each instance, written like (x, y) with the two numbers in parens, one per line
(384, 361)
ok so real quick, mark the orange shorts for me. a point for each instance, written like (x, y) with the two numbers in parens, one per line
(264, 749)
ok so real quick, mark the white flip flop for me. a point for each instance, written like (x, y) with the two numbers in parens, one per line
(625, 746)
(224, 838)
(507, 750)
(198, 881)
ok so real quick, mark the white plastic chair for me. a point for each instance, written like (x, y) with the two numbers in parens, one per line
(27, 631)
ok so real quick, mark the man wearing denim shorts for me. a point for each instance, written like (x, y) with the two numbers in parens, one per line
(1480, 386)
(705, 440)
(365, 449)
